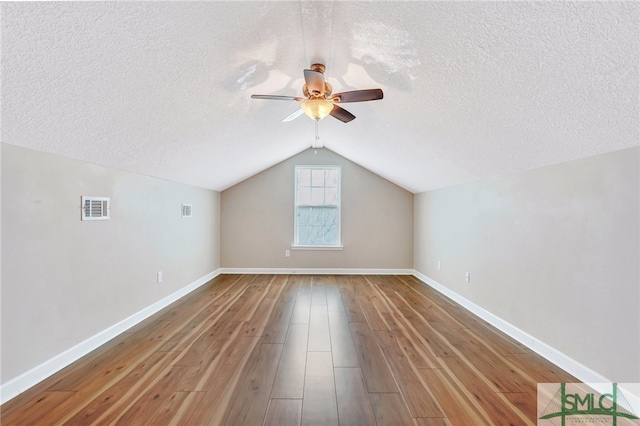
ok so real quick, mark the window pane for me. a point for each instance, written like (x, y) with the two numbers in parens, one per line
(331, 226)
(331, 196)
(303, 234)
(316, 218)
(331, 235)
(330, 216)
(317, 177)
(332, 177)
(317, 225)
(304, 177)
(317, 196)
(304, 196)
(315, 235)
(302, 216)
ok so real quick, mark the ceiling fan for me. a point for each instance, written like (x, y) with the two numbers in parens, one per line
(319, 102)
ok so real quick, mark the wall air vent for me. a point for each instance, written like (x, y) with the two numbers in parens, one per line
(186, 210)
(95, 208)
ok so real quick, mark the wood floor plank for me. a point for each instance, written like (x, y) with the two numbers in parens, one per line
(298, 349)
(541, 370)
(350, 285)
(319, 329)
(372, 306)
(405, 324)
(415, 393)
(376, 372)
(500, 342)
(105, 365)
(258, 322)
(210, 407)
(275, 286)
(108, 400)
(431, 421)
(318, 293)
(209, 344)
(150, 402)
(233, 356)
(490, 401)
(277, 326)
(33, 412)
(525, 401)
(302, 308)
(496, 369)
(354, 406)
(414, 350)
(246, 306)
(390, 410)
(168, 409)
(456, 405)
(289, 380)
(343, 349)
(290, 290)
(251, 395)
(371, 313)
(319, 406)
(334, 300)
(439, 346)
(284, 412)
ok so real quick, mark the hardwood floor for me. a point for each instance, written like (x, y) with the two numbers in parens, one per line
(294, 349)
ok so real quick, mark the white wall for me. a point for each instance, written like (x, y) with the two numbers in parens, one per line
(258, 217)
(65, 280)
(553, 251)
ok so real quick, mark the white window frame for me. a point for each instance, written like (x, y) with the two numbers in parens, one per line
(296, 245)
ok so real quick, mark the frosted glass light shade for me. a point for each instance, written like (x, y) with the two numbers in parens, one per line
(317, 108)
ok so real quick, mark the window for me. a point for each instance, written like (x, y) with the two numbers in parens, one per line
(317, 206)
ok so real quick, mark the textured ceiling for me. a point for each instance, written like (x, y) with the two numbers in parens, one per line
(472, 89)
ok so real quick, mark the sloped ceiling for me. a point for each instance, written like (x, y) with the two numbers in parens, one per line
(472, 89)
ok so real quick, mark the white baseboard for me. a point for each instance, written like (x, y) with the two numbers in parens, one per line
(568, 364)
(317, 271)
(563, 361)
(16, 386)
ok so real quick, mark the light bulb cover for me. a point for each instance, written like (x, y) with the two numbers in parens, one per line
(317, 109)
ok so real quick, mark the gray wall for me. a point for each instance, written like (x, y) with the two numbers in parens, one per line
(65, 280)
(257, 220)
(553, 251)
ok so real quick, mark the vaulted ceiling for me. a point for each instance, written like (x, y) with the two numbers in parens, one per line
(471, 89)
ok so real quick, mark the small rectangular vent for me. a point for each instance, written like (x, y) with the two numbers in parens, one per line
(186, 210)
(95, 208)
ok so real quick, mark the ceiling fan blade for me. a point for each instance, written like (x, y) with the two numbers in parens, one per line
(278, 97)
(295, 114)
(315, 82)
(358, 96)
(341, 114)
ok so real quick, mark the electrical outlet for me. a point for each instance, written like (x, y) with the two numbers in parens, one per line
(159, 276)
(287, 253)
(438, 265)
(467, 277)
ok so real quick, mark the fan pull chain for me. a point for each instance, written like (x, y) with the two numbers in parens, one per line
(315, 143)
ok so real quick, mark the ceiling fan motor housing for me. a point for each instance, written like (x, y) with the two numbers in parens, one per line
(327, 91)
(317, 68)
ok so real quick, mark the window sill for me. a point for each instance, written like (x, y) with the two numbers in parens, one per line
(294, 247)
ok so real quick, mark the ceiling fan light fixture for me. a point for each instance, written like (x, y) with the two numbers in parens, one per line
(317, 109)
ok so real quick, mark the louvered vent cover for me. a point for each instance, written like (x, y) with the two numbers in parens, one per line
(95, 208)
(186, 210)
